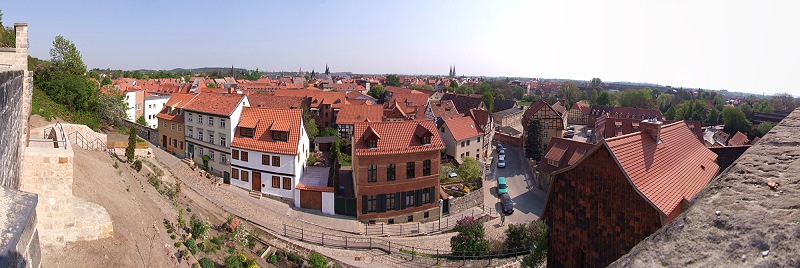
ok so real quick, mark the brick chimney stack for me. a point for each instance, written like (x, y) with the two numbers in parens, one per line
(653, 127)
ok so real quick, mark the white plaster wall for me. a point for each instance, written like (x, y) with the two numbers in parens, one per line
(254, 163)
(130, 100)
(152, 106)
(327, 203)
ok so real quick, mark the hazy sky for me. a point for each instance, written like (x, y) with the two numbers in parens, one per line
(750, 46)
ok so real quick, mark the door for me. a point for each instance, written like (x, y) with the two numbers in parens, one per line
(164, 141)
(256, 181)
(446, 206)
(226, 177)
(190, 150)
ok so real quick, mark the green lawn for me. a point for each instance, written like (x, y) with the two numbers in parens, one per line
(524, 103)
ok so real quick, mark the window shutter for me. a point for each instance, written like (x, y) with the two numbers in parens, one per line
(434, 195)
(418, 195)
(363, 204)
(381, 203)
(397, 201)
(402, 200)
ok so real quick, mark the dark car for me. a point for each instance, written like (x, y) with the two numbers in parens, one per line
(507, 204)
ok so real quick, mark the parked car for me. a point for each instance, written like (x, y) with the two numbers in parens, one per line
(502, 187)
(569, 134)
(507, 204)
(571, 128)
(500, 147)
(501, 163)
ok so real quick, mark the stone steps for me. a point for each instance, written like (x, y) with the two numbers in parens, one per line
(255, 194)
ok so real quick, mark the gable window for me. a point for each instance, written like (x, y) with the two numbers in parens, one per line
(276, 182)
(179, 111)
(462, 144)
(371, 203)
(467, 142)
(280, 135)
(373, 143)
(235, 154)
(246, 132)
(390, 172)
(426, 140)
(372, 173)
(426, 168)
(276, 161)
(287, 183)
(244, 156)
(221, 123)
(210, 121)
(409, 170)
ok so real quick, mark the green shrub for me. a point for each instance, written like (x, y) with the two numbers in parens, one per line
(188, 209)
(116, 165)
(207, 263)
(294, 257)
(199, 227)
(153, 180)
(137, 165)
(172, 236)
(177, 244)
(189, 243)
(233, 261)
(316, 260)
(273, 259)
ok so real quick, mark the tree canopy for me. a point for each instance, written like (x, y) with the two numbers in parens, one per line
(470, 240)
(469, 169)
(488, 99)
(603, 98)
(639, 98)
(377, 91)
(66, 58)
(735, 121)
(392, 80)
(534, 147)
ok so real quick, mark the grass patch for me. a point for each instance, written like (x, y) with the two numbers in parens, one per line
(345, 160)
(524, 103)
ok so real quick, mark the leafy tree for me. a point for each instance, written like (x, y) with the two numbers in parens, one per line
(112, 107)
(199, 227)
(207, 263)
(470, 240)
(329, 131)
(746, 109)
(534, 147)
(735, 120)
(105, 81)
(569, 91)
(518, 92)
(465, 89)
(316, 260)
(421, 87)
(519, 236)
(66, 58)
(377, 92)
(713, 117)
(603, 98)
(469, 169)
(488, 99)
(595, 83)
(393, 80)
(131, 149)
(8, 37)
(141, 121)
(310, 123)
(541, 240)
(763, 106)
(635, 98)
(453, 85)
(783, 102)
(718, 101)
(763, 129)
(664, 101)
(94, 74)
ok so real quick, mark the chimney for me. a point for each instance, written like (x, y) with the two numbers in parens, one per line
(653, 127)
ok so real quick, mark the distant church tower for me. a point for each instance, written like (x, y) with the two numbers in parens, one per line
(327, 70)
(452, 71)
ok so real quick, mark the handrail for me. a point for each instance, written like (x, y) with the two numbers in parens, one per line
(81, 141)
(51, 131)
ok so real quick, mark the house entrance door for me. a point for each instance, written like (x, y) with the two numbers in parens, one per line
(257, 181)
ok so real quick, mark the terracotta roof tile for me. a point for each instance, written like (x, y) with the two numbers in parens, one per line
(352, 113)
(395, 138)
(564, 150)
(272, 101)
(738, 139)
(443, 109)
(176, 101)
(668, 172)
(463, 128)
(556, 152)
(215, 103)
(262, 138)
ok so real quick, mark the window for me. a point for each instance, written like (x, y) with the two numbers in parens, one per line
(276, 161)
(276, 182)
(372, 203)
(391, 202)
(426, 168)
(211, 154)
(179, 128)
(390, 221)
(200, 134)
(222, 141)
(223, 159)
(372, 173)
(235, 173)
(409, 170)
(246, 132)
(410, 199)
(222, 123)
(373, 143)
(467, 142)
(200, 118)
(426, 140)
(173, 126)
(544, 135)
(200, 151)
(390, 172)
(426, 215)
(410, 218)
(479, 139)
(287, 183)
(426, 195)
(165, 124)
(467, 153)
(210, 121)
(190, 132)
(244, 176)
(179, 111)
(265, 159)
(235, 154)
(462, 144)
(244, 156)
(280, 135)
(211, 137)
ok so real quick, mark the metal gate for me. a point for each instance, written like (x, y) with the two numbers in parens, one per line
(344, 206)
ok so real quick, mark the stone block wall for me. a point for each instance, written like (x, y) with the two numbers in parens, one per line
(11, 113)
(48, 172)
(470, 200)
(19, 245)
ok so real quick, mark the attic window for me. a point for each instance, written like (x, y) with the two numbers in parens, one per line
(372, 143)
(280, 135)
(246, 132)
(426, 140)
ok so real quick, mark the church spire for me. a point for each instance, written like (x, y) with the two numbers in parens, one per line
(327, 70)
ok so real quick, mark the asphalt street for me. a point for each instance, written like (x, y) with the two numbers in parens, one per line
(528, 200)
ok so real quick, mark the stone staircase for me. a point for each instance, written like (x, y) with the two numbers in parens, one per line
(255, 194)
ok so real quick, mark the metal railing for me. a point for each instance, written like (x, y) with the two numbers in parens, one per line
(49, 135)
(441, 225)
(83, 142)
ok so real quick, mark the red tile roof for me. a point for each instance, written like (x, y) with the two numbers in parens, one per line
(564, 150)
(352, 113)
(609, 127)
(582, 106)
(738, 139)
(463, 128)
(176, 101)
(481, 117)
(558, 107)
(286, 119)
(669, 172)
(395, 138)
(215, 103)
(443, 109)
(272, 101)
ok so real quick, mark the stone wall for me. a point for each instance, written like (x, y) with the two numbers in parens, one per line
(509, 140)
(470, 200)
(11, 95)
(19, 245)
(146, 133)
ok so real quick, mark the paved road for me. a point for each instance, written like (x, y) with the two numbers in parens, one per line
(529, 201)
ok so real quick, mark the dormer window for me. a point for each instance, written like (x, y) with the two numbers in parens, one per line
(373, 143)
(280, 135)
(246, 132)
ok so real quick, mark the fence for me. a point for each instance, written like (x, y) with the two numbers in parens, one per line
(94, 145)
(441, 225)
(124, 144)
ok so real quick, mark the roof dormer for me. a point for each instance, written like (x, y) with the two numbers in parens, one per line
(423, 134)
(371, 138)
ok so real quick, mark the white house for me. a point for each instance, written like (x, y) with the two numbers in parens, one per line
(209, 125)
(153, 104)
(134, 100)
(269, 152)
